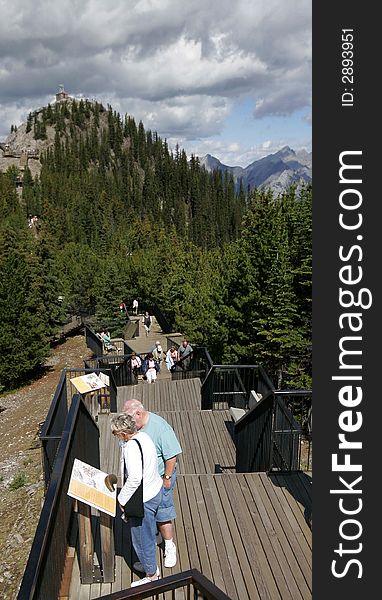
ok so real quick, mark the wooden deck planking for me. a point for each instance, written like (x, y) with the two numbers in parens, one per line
(239, 530)
(256, 556)
(165, 395)
(268, 535)
(197, 433)
(302, 507)
(245, 532)
(281, 519)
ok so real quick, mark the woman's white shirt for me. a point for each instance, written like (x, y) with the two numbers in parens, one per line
(131, 457)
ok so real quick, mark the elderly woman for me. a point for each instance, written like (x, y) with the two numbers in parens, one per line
(143, 529)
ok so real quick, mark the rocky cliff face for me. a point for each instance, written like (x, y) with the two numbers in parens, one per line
(275, 171)
(20, 148)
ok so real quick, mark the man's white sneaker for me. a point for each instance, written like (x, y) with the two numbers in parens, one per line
(145, 579)
(170, 556)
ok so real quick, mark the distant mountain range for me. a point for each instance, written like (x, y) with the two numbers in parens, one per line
(275, 171)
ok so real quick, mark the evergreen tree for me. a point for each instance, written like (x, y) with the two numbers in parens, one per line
(23, 335)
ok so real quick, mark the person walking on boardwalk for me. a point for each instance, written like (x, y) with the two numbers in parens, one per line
(135, 364)
(168, 448)
(150, 367)
(147, 321)
(158, 352)
(139, 461)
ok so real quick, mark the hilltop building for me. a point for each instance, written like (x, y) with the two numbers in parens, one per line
(61, 94)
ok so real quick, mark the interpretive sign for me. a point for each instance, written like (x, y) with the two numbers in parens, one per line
(87, 484)
(89, 382)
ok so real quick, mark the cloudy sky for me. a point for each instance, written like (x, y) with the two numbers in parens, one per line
(227, 77)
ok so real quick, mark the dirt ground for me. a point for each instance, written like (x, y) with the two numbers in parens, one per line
(21, 481)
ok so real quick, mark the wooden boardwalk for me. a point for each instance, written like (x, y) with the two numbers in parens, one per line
(246, 532)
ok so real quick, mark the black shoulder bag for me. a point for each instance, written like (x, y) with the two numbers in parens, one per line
(134, 506)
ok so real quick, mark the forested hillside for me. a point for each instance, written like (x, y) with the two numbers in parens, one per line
(120, 216)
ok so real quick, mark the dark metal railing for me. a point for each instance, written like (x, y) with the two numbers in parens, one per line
(196, 585)
(45, 565)
(100, 399)
(163, 320)
(93, 342)
(174, 340)
(231, 385)
(276, 433)
(292, 431)
(53, 426)
(198, 365)
(118, 364)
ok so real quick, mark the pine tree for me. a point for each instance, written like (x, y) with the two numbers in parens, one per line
(23, 335)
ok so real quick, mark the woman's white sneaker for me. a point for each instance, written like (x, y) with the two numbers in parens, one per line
(170, 555)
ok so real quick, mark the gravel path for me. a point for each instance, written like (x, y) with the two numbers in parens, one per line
(21, 482)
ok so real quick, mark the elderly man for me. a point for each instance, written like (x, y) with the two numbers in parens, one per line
(185, 351)
(167, 447)
(158, 352)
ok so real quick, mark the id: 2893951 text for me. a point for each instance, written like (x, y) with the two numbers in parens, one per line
(347, 71)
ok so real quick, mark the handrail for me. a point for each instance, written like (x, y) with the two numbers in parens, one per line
(41, 578)
(199, 364)
(154, 309)
(118, 364)
(52, 428)
(276, 433)
(192, 577)
(93, 342)
(112, 383)
(230, 385)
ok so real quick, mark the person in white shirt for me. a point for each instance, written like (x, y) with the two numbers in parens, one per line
(143, 529)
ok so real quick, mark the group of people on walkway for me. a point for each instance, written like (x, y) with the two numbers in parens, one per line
(149, 450)
(150, 366)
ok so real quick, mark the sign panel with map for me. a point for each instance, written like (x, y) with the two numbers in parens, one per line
(87, 484)
(90, 382)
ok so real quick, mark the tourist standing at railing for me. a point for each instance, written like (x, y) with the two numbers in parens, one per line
(168, 448)
(134, 467)
(147, 321)
(135, 307)
(171, 357)
(185, 354)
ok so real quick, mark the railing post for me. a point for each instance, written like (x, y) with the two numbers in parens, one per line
(107, 547)
(85, 542)
(271, 445)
